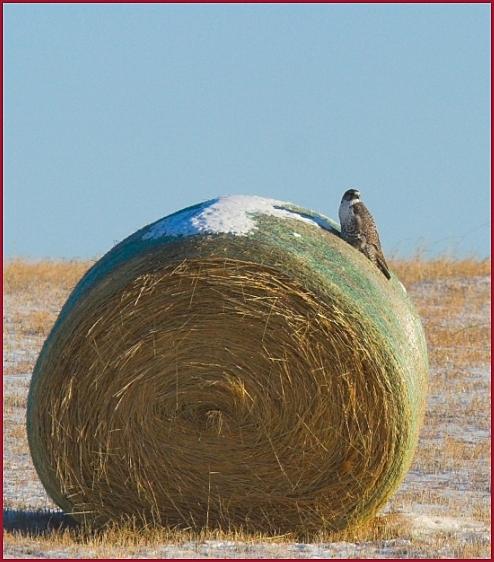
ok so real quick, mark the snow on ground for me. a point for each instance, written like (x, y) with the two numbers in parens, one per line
(444, 501)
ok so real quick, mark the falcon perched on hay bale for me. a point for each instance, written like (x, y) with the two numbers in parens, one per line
(359, 229)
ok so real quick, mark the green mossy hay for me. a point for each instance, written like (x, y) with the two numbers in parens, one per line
(233, 365)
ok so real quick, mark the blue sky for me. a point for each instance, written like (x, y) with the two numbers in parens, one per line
(117, 115)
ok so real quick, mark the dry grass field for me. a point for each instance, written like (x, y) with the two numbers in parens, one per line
(442, 509)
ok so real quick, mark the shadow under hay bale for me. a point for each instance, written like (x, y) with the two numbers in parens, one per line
(36, 522)
(234, 364)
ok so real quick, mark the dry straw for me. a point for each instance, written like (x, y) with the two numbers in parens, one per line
(227, 381)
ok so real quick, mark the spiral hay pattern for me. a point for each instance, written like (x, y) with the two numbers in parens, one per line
(267, 380)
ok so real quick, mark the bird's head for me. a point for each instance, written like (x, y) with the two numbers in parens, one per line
(351, 196)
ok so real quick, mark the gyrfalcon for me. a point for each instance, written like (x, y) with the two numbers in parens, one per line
(359, 229)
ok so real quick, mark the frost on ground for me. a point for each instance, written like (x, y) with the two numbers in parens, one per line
(443, 506)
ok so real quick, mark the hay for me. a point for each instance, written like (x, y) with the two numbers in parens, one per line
(268, 381)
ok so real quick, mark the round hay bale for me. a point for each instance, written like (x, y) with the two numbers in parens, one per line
(233, 364)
